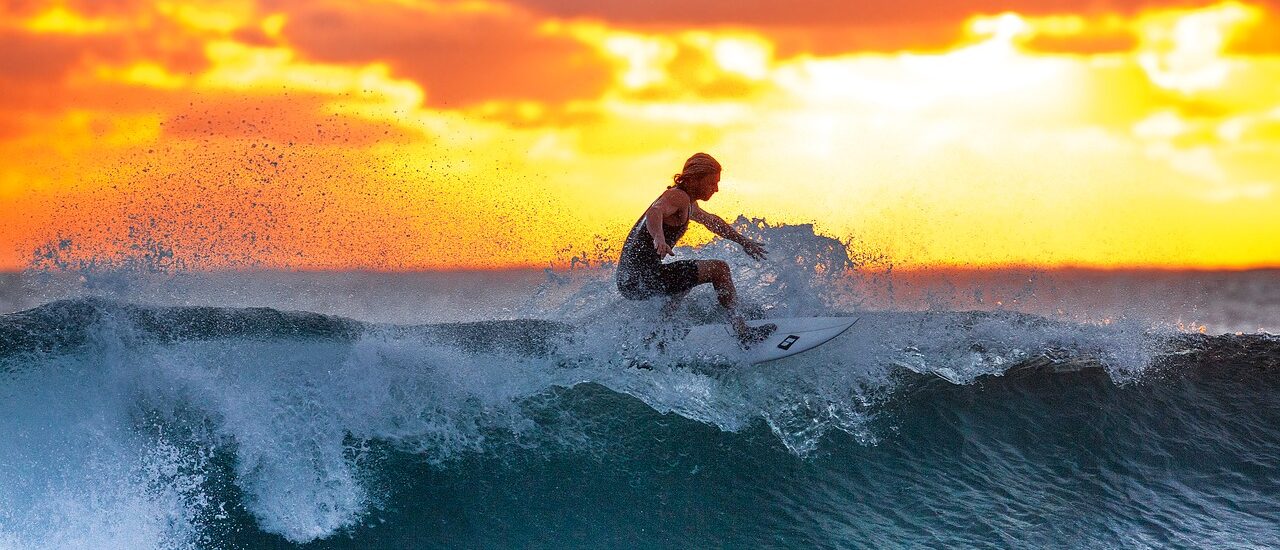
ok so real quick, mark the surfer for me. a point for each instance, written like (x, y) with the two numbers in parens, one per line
(641, 271)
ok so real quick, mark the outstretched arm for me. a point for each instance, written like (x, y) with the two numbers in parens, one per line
(722, 228)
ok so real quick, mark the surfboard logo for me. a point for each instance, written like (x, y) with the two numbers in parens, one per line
(786, 342)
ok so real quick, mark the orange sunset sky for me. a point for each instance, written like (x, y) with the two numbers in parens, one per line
(419, 134)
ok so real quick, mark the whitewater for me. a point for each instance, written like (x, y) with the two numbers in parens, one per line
(248, 410)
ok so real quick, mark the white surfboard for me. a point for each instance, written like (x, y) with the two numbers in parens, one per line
(794, 335)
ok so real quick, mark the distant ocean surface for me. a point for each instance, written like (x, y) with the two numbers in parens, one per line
(980, 409)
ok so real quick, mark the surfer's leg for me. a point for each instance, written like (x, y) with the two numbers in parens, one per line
(669, 309)
(717, 273)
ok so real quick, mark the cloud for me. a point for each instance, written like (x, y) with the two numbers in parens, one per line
(461, 57)
(90, 8)
(817, 27)
(816, 13)
(49, 63)
(45, 59)
(335, 135)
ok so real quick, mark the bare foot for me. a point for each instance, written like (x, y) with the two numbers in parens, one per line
(748, 336)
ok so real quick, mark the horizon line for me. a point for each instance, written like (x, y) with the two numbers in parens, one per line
(567, 268)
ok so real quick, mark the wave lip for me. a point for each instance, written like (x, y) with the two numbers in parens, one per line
(67, 325)
(64, 325)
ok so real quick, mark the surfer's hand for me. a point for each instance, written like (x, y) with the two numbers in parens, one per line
(755, 250)
(663, 248)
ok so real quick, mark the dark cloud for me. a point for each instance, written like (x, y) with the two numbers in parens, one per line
(44, 58)
(836, 40)
(41, 76)
(33, 71)
(460, 58)
(91, 8)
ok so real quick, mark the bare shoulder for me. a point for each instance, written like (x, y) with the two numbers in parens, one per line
(673, 200)
(676, 196)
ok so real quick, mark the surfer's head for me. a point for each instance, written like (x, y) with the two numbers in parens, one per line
(700, 177)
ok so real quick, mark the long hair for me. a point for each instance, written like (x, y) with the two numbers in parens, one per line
(698, 165)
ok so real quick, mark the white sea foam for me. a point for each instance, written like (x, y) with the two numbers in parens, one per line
(92, 459)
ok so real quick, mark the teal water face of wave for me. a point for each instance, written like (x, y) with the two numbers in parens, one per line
(137, 426)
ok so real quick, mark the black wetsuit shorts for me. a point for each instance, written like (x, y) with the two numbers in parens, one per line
(642, 275)
(667, 279)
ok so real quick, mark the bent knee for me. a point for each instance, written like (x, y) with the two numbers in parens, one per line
(712, 270)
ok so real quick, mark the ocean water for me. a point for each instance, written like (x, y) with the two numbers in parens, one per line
(997, 409)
